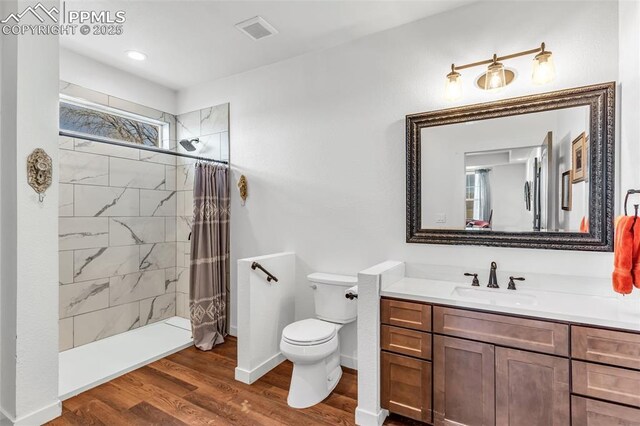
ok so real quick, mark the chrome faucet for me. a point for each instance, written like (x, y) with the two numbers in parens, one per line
(493, 280)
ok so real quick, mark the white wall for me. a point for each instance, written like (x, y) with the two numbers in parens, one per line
(570, 126)
(321, 137)
(266, 309)
(88, 73)
(29, 331)
(507, 201)
(629, 96)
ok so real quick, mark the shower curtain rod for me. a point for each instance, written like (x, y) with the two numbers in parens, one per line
(100, 139)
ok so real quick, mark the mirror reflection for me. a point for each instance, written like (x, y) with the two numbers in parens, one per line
(521, 173)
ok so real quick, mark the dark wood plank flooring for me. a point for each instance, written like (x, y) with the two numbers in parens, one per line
(193, 387)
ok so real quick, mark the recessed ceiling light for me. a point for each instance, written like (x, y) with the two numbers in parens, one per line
(135, 55)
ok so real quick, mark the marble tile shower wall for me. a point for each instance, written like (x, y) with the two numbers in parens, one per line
(211, 126)
(117, 226)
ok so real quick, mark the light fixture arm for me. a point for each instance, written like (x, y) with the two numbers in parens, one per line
(499, 58)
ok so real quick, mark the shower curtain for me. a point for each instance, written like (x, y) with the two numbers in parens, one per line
(482, 196)
(209, 282)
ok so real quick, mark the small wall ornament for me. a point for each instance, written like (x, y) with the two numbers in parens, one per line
(39, 172)
(242, 187)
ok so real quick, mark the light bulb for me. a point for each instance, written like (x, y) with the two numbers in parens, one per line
(495, 81)
(495, 77)
(453, 87)
(544, 70)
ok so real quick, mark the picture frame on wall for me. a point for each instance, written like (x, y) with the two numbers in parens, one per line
(565, 199)
(579, 156)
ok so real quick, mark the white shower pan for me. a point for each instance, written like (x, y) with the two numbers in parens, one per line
(90, 365)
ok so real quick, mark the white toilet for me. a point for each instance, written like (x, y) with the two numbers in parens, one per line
(312, 345)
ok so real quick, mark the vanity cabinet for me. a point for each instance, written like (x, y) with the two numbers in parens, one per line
(491, 369)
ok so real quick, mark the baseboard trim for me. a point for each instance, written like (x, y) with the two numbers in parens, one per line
(38, 417)
(233, 330)
(367, 418)
(250, 376)
(349, 362)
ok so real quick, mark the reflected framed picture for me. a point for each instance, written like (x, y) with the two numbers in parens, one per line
(566, 191)
(579, 158)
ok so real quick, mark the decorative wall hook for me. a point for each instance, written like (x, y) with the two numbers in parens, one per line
(39, 172)
(242, 187)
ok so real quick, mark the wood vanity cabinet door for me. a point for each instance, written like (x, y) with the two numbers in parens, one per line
(531, 389)
(463, 382)
(590, 412)
(406, 314)
(406, 386)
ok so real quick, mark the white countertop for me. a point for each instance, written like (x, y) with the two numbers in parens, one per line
(614, 311)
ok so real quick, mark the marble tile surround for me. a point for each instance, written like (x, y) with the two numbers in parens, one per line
(125, 219)
(211, 125)
(117, 220)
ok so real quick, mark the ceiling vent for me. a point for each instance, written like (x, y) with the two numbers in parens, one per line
(256, 28)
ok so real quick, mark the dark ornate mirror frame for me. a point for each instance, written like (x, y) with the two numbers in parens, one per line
(601, 100)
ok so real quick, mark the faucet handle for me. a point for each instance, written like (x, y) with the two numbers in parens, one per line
(512, 284)
(475, 281)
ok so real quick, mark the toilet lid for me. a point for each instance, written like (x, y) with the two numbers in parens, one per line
(309, 332)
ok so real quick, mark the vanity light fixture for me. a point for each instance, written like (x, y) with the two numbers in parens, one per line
(544, 70)
(453, 89)
(497, 76)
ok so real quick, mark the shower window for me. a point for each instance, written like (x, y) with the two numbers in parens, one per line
(97, 120)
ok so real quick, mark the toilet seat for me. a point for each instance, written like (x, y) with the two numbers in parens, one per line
(309, 332)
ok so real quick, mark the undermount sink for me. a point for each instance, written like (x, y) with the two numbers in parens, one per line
(495, 296)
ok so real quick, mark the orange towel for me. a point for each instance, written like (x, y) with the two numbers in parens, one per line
(623, 255)
(635, 268)
(584, 225)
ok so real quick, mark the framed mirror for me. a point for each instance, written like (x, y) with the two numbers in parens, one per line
(535, 172)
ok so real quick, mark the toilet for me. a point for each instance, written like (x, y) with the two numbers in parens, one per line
(313, 346)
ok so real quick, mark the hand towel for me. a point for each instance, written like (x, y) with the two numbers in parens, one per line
(584, 225)
(623, 255)
(635, 268)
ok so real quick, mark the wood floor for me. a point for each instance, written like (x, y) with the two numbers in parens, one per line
(193, 387)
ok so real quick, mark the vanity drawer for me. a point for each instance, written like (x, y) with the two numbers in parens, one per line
(521, 333)
(406, 342)
(610, 383)
(589, 412)
(406, 314)
(406, 386)
(605, 346)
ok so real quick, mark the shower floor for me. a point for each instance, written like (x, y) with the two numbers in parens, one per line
(90, 365)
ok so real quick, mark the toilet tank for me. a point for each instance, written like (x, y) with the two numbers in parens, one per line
(329, 296)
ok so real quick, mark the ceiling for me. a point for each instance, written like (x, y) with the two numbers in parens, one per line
(189, 42)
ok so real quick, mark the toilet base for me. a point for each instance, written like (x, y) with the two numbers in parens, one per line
(312, 383)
